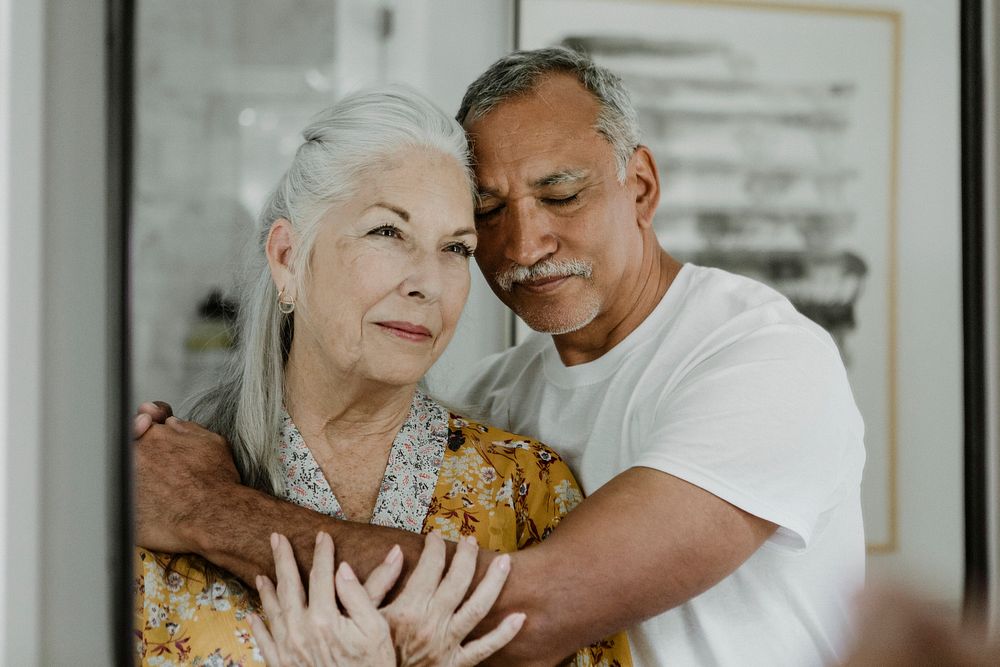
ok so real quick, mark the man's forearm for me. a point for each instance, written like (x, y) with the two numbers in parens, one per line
(243, 547)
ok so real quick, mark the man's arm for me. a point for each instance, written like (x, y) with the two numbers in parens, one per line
(643, 543)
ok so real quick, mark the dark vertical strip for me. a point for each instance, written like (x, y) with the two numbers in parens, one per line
(973, 313)
(517, 25)
(120, 41)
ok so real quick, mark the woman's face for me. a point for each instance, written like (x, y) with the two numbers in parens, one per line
(389, 273)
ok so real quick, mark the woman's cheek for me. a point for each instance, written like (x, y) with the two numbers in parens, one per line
(458, 291)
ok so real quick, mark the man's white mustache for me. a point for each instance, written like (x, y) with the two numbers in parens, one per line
(549, 268)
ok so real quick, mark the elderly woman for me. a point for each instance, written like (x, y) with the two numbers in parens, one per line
(357, 277)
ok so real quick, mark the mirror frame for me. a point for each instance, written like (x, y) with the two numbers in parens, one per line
(120, 64)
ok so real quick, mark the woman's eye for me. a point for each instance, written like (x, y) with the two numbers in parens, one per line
(387, 231)
(462, 249)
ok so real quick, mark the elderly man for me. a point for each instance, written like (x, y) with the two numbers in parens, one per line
(710, 423)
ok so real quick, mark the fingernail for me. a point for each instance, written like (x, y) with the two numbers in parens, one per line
(517, 620)
(319, 537)
(346, 573)
(469, 539)
(504, 563)
(395, 554)
(274, 540)
(256, 581)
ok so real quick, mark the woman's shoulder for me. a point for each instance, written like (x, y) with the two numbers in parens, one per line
(487, 439)
(517, 471)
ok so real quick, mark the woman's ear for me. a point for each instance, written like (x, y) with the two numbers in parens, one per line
(645, 180)
(279, 248)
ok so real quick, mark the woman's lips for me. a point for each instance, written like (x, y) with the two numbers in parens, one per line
(407, 330)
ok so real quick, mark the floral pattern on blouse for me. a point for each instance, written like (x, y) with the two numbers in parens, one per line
(410, 476)
(181, 620)
(444, 473)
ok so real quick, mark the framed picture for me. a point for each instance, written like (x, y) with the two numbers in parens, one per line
(785, 134)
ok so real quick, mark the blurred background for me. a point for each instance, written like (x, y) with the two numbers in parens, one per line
(812, 146)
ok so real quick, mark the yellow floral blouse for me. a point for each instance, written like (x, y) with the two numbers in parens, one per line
(444, 474)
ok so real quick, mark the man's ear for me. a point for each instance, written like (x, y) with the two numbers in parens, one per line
(644, 179)
(280, 248)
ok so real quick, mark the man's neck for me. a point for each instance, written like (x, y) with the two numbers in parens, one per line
(611, 327)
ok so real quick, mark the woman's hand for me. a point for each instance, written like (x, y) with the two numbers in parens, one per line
(428, 625)
(319, 634)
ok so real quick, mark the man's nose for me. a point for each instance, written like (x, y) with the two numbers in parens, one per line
(530, 236)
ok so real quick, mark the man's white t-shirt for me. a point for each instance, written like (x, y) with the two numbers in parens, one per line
(726, 386)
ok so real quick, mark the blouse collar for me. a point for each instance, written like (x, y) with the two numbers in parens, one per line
(410, 475)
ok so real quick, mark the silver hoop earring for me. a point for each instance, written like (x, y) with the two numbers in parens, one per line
(286, 306)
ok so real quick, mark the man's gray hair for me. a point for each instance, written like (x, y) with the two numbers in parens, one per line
(344, 145)
(519, 72)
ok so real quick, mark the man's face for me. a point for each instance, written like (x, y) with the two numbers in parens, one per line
(557, 230)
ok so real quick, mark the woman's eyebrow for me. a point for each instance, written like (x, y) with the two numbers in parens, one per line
(401, 212)
(464, 231)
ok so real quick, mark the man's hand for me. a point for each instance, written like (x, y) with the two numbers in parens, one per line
(178, 466)
(149, 413)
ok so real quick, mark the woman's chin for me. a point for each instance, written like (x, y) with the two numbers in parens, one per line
(399, 376)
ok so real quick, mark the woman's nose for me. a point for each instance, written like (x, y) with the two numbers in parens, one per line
(424, 280)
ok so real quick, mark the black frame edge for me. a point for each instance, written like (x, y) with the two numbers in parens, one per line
(977, 569)
(119, 59)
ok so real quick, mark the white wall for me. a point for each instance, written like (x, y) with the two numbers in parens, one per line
(5, 215)
(58, 570)
(21, 214)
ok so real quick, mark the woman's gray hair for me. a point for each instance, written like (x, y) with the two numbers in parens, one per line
(518, 72)
(343, 144)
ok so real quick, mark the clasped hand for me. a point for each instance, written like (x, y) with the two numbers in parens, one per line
(424, 625)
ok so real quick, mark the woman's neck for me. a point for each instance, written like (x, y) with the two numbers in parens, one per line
(336, 414)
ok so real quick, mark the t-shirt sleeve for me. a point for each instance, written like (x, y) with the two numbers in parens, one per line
(766, 423)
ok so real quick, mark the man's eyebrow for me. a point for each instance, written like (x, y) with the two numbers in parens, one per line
(560, 177)
(401, 212)
(484, 192)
